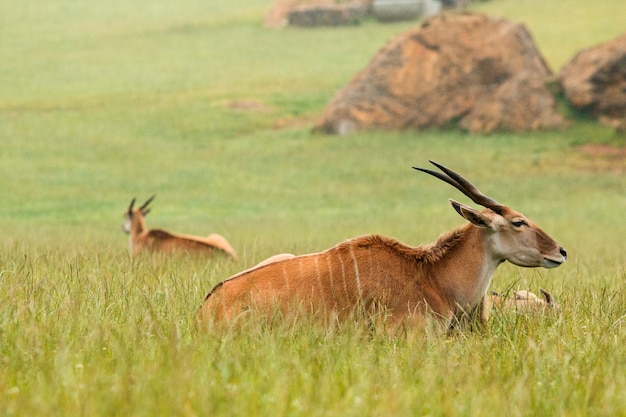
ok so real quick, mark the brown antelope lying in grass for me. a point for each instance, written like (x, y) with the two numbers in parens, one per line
(158, 240)
(523, 301)
(381, 276)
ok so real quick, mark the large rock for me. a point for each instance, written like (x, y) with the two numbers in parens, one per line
(594, 81)
(328, 15)
(481, 72)
(316, 12)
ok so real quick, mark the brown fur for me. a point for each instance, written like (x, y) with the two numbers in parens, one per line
(367, 272)
(158, 240)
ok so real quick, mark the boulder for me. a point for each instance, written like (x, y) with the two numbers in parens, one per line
(397, 10)
(482, 73)
(327, 14)
(316, 12)
(594, 81)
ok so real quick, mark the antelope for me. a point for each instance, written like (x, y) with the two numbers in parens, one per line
(379, 276)
(158, 240)
(523, 301)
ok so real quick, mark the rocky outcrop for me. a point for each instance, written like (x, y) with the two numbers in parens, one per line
(313, 13)
(328, 15)
(594, 81)
(482, 73)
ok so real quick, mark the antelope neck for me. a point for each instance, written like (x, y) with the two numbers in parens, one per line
(137, 228)
(465, 272)
(137, 225)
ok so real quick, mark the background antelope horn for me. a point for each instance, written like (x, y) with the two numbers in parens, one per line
(146, 203)
(463, 185)
(132, 203)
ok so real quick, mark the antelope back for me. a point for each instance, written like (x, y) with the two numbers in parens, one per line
(355, 274)
(158, 240)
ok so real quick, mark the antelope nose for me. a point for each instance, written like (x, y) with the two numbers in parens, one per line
(563, 252)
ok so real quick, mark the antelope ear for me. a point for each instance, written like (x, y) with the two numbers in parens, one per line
(547, 296)
(145, 212)
(472, 215)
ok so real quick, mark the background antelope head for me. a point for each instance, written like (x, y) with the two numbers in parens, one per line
(511, 236)
(134, 217)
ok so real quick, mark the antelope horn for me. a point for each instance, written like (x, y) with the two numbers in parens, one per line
(146, 203)
(132, 203)
(463, 185)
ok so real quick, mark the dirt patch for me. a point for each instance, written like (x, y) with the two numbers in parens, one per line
(606, 151)
(247, 105)
(602, 157)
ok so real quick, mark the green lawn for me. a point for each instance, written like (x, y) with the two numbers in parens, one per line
(203, 106)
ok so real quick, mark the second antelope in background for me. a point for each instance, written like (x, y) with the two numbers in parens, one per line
(374, 274)
(524, 301)
(158, 240)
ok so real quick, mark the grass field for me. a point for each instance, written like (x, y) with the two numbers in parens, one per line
(200, 104)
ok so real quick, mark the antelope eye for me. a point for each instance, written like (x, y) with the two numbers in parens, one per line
(518, 223)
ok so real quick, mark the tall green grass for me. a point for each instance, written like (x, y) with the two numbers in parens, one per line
(202, 105)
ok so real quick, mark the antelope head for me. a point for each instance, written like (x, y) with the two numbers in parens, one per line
(135, 214)
(511, 236)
